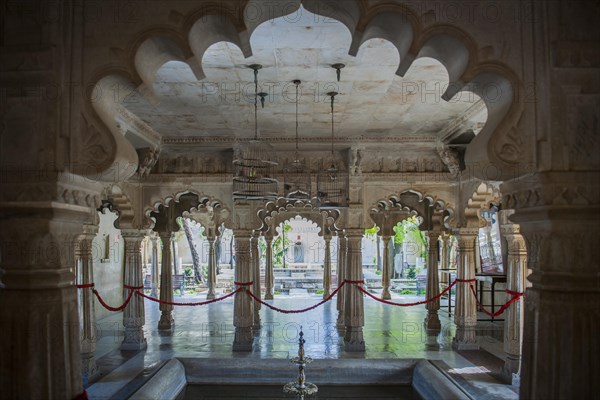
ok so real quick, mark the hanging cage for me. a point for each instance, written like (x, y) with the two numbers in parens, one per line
(296, 181)
(333, 186)
(254, 171)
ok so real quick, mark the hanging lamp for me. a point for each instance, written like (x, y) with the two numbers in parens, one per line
(296, 176)
(332, 182)
(254, 162)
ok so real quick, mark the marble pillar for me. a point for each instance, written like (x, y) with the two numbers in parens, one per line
(133, 315)
(327, 267)
(87, 314)
(354, 315)
(388, 264)
(243, 306)
(154, 269)
(559, 217)
(255, 261)
(516, 281)
(269, 275)
(341, 273)
(166, 321)
(212, 267)
(465, 311)
(432, 320)
(175, 253)
(39, 326)
(445, 258)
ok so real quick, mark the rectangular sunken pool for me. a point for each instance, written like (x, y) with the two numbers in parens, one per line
(272, 392)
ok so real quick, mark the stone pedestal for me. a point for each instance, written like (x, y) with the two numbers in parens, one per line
(166, 321)
(386, 273)
(516, 278)
(465, 314)
(243, 306)
(255, 261)
(341, 273)
(269, 276)
(133, 315)
(87, 315)
(327, 267)
(212, 268)
(432, 320)
(354, 303)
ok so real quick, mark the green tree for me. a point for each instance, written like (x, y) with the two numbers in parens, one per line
(371, 233)
(281, 244)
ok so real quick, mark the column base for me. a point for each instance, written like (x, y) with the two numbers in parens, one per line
(166, 322)
(432, 322)
(465, 339)
(510, 370)
(89, 369)
(268, 295)
(210, 295)
(134, 342)
(243, 339)
(353, 340)
(154, 293)
(340, 323)
(326, 294)
(386, 295)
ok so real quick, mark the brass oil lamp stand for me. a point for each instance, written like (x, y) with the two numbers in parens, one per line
(300, 387)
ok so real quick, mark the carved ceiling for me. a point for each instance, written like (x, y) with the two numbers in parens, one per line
(376, 108)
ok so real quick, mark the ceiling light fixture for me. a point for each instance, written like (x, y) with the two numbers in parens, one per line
(254, 162)
(296, 176)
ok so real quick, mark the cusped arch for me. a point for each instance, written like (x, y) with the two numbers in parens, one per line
(282, 209)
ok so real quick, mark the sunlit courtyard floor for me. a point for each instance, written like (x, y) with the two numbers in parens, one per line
(390, 332)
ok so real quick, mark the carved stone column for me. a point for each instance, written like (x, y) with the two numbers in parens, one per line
(243, 306)
(212, 266)
(133, 315)
(559, 217)
(87, 315)
(386, 273)
(341, 273)
(432, 320)
(516, 278)
(327, 267)
(166, 321)
(255, 261)
(354, 302)
(154, 271)
(444, 258)
(465, 314)
(269, 276)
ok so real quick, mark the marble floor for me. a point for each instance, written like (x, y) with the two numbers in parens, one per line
(207, 332)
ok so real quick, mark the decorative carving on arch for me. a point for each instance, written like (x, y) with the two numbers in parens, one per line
(210, 214)
(116, 200)
(282, 209)
(386, 213)
(481, 199)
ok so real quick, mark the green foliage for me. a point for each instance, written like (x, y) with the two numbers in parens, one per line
(371, 232)
(411, 272)
(319, 291)
(188, 271)
(408, 291)
(409, 229)
(281, 244)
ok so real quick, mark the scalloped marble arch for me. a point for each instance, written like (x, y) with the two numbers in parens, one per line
(484, 195)
(498, 86)
(275, 212)
(204, 202)
(429, 208)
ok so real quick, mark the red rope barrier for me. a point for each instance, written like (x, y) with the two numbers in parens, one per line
(109, 308)
(244, 283)
(501, 310)
(133, 287)
(201, 303)
(465, 280)
(85, 286)
(295, 311)
(512, 293)
(443, 292)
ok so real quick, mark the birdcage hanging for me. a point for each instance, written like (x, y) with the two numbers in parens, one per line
(254, 162)
(296, 175)
(333, 181)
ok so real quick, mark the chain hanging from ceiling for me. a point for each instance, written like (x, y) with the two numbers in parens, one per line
(254, 161)
(333, 183)
(296, 176)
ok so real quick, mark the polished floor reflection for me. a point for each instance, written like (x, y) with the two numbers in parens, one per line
(207, 332)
